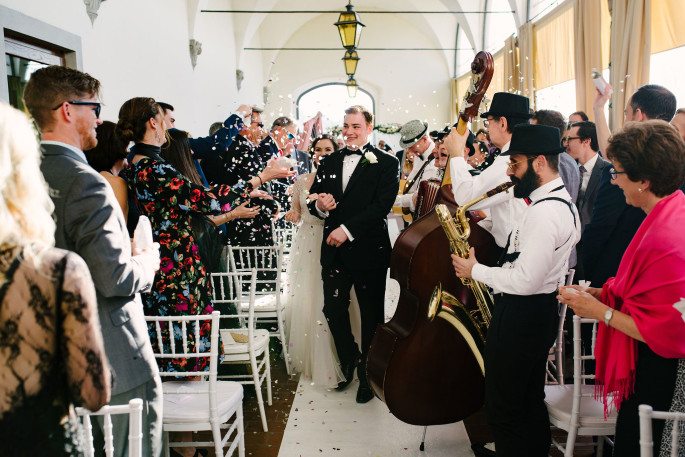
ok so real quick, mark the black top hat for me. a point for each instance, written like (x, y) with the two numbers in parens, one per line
(506, 104)
(535, 139)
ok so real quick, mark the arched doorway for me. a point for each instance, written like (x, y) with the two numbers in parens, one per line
(331, 99)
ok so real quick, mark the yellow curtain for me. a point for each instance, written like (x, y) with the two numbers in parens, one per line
(588, 51)
(630, 53)
(462, 84)
(667, 28)
(554, 48)
(526, 61)
(497, 83)
(511, 73)
(606, 32)
(454, 100)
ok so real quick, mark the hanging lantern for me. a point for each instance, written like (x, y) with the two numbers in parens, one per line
(351, 60)
(350, 28)
(352, 87)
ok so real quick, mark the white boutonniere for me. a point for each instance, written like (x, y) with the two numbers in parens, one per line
(680, 306)
(370, 157)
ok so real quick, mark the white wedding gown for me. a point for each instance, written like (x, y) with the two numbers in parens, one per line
(310, 344)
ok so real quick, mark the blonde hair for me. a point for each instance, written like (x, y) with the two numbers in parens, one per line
(25, 206)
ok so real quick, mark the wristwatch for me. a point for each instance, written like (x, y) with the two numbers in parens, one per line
(608, 315)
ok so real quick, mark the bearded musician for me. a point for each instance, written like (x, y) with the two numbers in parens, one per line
(532, 267)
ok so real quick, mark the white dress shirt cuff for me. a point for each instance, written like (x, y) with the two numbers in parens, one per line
(321, 212)
(347, 232)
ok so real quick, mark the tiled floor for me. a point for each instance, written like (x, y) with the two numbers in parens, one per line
(309, 421)
(331, 423)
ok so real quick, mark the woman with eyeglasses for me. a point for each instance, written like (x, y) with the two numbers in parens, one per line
(641, 336)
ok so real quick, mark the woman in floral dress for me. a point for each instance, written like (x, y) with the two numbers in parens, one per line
(169, 200)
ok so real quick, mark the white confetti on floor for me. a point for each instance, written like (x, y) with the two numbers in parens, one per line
(331, 423)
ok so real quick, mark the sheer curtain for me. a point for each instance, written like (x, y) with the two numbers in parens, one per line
(630, 52)
(511, 70)
(588, 51)
(526, 61)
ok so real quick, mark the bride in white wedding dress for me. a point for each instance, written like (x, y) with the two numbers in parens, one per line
(310, 344)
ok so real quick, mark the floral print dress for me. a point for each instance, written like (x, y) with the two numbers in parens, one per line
(181, 285)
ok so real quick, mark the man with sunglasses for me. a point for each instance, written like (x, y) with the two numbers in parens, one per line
(64, 104)
(525, 316)
(505, 112)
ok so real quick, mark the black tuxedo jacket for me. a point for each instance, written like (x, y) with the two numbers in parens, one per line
(609, 232)
(362, 209)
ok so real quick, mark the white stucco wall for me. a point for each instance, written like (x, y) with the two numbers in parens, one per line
(140, 48)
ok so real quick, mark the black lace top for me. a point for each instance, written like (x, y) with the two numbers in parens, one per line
(51, 352)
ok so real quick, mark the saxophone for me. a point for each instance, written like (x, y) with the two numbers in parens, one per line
(472, 325)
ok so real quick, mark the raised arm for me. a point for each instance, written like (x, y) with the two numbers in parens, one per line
(603, 132)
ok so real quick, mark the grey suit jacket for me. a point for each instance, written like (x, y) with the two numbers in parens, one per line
(587, 202)
(90, 223)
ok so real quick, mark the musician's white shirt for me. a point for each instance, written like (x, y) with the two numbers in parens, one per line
(505, 210)
(544, 235)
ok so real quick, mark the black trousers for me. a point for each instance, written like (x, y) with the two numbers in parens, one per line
(522, 330)
(655, 381)
(369, 286)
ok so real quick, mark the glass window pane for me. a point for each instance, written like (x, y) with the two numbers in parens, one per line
(19, 70)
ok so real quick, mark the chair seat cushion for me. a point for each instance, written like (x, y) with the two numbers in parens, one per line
(559, 400)
(263, 303)
(239, 351)
(183, 405)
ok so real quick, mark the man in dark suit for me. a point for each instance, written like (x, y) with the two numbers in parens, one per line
(64, 104)
(356, 188)
(614, 222)
(581, 144)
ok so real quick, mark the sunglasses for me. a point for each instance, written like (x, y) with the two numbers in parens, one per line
(291, 136)
(98, 106)
(512, 165)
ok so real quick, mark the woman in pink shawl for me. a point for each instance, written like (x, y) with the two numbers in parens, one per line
(642, 335)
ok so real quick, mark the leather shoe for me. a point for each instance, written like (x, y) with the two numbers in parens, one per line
(348, 372)
(480, 450)
(364, 394)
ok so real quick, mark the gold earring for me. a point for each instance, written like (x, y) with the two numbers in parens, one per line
(639, 189)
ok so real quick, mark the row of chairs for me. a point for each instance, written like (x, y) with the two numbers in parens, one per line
(574, 408)
(253, 288)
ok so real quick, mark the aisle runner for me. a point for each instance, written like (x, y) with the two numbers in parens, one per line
(330, 423)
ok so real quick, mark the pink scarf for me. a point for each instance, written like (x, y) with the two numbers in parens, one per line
(649, 282)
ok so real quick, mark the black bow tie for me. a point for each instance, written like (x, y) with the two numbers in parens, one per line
(349, 152)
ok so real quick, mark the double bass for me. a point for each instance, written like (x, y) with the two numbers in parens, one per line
(424, 369)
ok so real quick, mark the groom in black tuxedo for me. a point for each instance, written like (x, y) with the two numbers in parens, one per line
(356, 188)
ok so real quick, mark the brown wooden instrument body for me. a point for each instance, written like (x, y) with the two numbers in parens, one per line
(425, 371)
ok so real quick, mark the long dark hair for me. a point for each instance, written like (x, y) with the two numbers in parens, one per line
(325, 136)
(177, 152)
(109, 150)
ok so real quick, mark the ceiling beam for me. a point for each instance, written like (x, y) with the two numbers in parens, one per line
(358, 49)
(360, 12)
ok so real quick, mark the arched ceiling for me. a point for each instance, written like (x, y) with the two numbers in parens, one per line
(274, 30)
